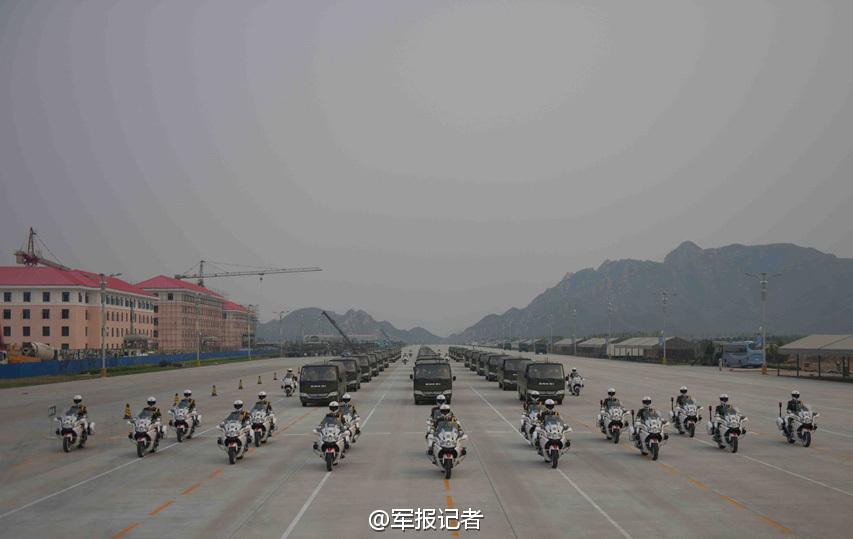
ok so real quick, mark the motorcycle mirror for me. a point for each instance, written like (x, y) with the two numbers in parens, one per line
(454, 378)
(567, 378)
(411, 377)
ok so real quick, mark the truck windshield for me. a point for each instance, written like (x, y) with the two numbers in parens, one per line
(319, 373)
(514, 365)
(432, 371)
(552, 370)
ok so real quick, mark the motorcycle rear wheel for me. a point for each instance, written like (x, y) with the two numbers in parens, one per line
(448, 468)
(807, 438)
(232, 455)
(66, 444)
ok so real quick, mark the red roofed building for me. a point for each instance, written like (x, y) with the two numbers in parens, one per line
(62, 308)
(175, 318)
(238, 324)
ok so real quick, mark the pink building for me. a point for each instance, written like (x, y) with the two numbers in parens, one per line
(237, 325)
(62, 308)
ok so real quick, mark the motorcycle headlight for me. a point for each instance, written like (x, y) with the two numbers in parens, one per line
(447, 440)
(67, 423)
(330, 434)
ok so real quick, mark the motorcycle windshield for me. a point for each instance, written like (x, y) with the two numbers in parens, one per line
(329, 422)
(259, 407)
(445, 426)
(144, 414)
(553, 420)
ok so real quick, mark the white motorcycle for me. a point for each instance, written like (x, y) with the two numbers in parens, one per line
(802, 425)
(289, 386)
(184, 422)
(331, 444)
(353, 423)
(575, 384)
(529, 424)
(447, 449)
(146, 433)
(553, 436)
(727, 430)
(235, 439)
(72, 430)
(262, 426)
(611, 421)
(685, 417)
(650, 434)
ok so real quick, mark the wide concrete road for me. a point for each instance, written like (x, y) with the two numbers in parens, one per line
(767, 489)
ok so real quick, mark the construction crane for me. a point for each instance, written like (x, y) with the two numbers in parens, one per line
(337, 327)
(201, 275)
(31, 254)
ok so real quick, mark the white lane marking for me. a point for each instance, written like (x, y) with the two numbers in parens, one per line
(789, 472)
(98, 476)
(313, 495)
(597, 507)
(305, 506)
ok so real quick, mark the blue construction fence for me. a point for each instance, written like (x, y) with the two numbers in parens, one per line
(76, 366)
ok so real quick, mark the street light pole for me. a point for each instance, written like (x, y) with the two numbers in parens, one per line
(103, 287)
(664, 300)
(762, 277)
(281, 332)
(609, 326)
(197, 332)
(574, 331)
(249, 329)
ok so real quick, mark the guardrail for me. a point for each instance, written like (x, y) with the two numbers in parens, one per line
(77, 366)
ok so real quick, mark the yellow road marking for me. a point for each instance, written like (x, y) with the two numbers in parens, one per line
(454, 533)
(671, 470)
(190, 489)
(731, 501)
(698, 484)
(781, 527)
(125, 531)
(162, 506)
(446, 485)
(214, 473)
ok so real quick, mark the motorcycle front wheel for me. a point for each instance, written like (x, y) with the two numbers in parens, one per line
(691, 429)
(232, 455)
(66, 444)
(733, 444)
(615, 435)
(655, 451)
(330, 458)
(140, 449)
(179, 434)
(257, 439)
(555, 458)
(807, 438)
(448, 468)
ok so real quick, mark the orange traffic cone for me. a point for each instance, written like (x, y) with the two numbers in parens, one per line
(275, 376)
(127, 414)
(213, 391)
(259, 379)
(241, 384)
(177, 399)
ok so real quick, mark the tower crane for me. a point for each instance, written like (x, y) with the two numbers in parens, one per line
(31, 254)
(201, 275)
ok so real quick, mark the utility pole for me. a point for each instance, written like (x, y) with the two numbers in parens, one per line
(574, 331)
(664, 300)
(249, 328)
(103, 283)
(762, 278)
(281, 332)
(609, 326)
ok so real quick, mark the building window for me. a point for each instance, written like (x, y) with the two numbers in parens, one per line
(66, 331)
(7, 314)
(155, 333)
(170, 296)
(45, 331)
(65, 346)
(45, 296)
(26, 331)
(66, 297)
(7, 331)
(86, 297)
(45, 314)
(7, 297)
(25, 314)
(26, 297)
(79, 297)
(86, 331)
(66, 314)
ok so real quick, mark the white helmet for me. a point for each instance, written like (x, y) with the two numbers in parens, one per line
(724, 398)
(647, 401)
(346, 397)
(238, 404)
(333, 406)
(78, 399)
(683, 390)
(795, 393)
(444, 408)
(188, 393)
(440, 400)
(549, 404)
(151, 401)
(262, 395)
(289, 370)
(611, 391)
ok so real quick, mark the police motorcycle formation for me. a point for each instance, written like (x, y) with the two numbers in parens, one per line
(445, 439)
(551, 437)
(728, 425)
(648, 429)
(262, 419)
(799, 422)
(685, 413)
(332, 433)
(236, 433)
(575, 383)
(612, 417)
(146, 429)
(184, 418)
(74, 427)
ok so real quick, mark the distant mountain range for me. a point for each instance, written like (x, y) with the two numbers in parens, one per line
(709, 295)
(310, 321)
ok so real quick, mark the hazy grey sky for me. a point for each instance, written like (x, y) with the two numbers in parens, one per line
(440, 160)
